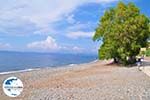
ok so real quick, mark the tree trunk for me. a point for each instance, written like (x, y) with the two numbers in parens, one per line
(115, 60)
(132, 60)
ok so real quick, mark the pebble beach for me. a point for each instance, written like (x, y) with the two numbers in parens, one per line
(92, 81)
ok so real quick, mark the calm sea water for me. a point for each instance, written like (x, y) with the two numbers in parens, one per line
(14, 61)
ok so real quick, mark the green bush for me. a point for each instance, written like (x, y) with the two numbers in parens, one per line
(148, 52)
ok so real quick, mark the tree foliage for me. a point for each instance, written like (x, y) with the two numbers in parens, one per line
(123, 30)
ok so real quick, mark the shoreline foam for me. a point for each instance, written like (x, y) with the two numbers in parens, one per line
(18, 71)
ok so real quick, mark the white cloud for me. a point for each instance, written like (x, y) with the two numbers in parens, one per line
(102, 1)
(80, 26)
(70, 19)
(80, 34)
(35, 16)
(77, 30)
(73, 49)
(49, 44)
(77, 49)
(5, 46)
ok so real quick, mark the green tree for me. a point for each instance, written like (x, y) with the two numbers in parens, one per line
(123, 30)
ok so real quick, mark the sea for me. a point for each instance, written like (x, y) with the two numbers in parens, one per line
(11, 61)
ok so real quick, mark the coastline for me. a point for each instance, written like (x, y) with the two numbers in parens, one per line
(52, 68)
(90, 81)
(18, 71)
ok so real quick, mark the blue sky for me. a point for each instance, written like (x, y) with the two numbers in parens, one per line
(54, 25)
